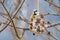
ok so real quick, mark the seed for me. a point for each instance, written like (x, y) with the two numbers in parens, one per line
(38, 30)
(48, 33)
(33, 33)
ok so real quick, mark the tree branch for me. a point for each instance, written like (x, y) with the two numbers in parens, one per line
(10, 19)
(53, 4)
(18, 18)
(17, 27)
(53, 25)
(16, 4)
(14, 14)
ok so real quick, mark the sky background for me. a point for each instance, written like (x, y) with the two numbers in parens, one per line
(27, 10)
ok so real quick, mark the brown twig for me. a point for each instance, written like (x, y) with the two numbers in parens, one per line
(14, 15)
(25, 20)
(53, 25)
(53, 4)
(18, 18)
(4, 14)
(28, 29)
(51, 14)
(23, 33)
(49, 33)
(57, 29)
(16, 5)
(1, 13)
(10, 18)
(18, 27)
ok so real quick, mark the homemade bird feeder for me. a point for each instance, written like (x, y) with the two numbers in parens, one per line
(38, 25)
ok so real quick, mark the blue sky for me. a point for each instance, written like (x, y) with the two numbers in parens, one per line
(6, 34)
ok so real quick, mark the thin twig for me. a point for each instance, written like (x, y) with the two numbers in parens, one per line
(53, 25)
(17, 27)
(25, 20)
(3, 1)
(16, 5)
(14, 15)
(50, 14)
(53, 4)
(10, 18)
(4, 14)
(28, 29)
(22, 34)
(57, 29)
(1, 13)
(18, 18)
(51, 35)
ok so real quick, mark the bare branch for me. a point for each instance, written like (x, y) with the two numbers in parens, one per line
(59, 0)
(50, 14)
(0, 22)
(4, 14)
(52, 36)
(28, 29)
(53, 14)
(17, 27)
(3, 1)
(43, 14)
(13, 16)
(53, 25)
(1, 13)
(10, 18)
(16, 4)
(22, 34)
(18, 18)
(57, 29)
(53, 4)
(25, 20)
(49, 33)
